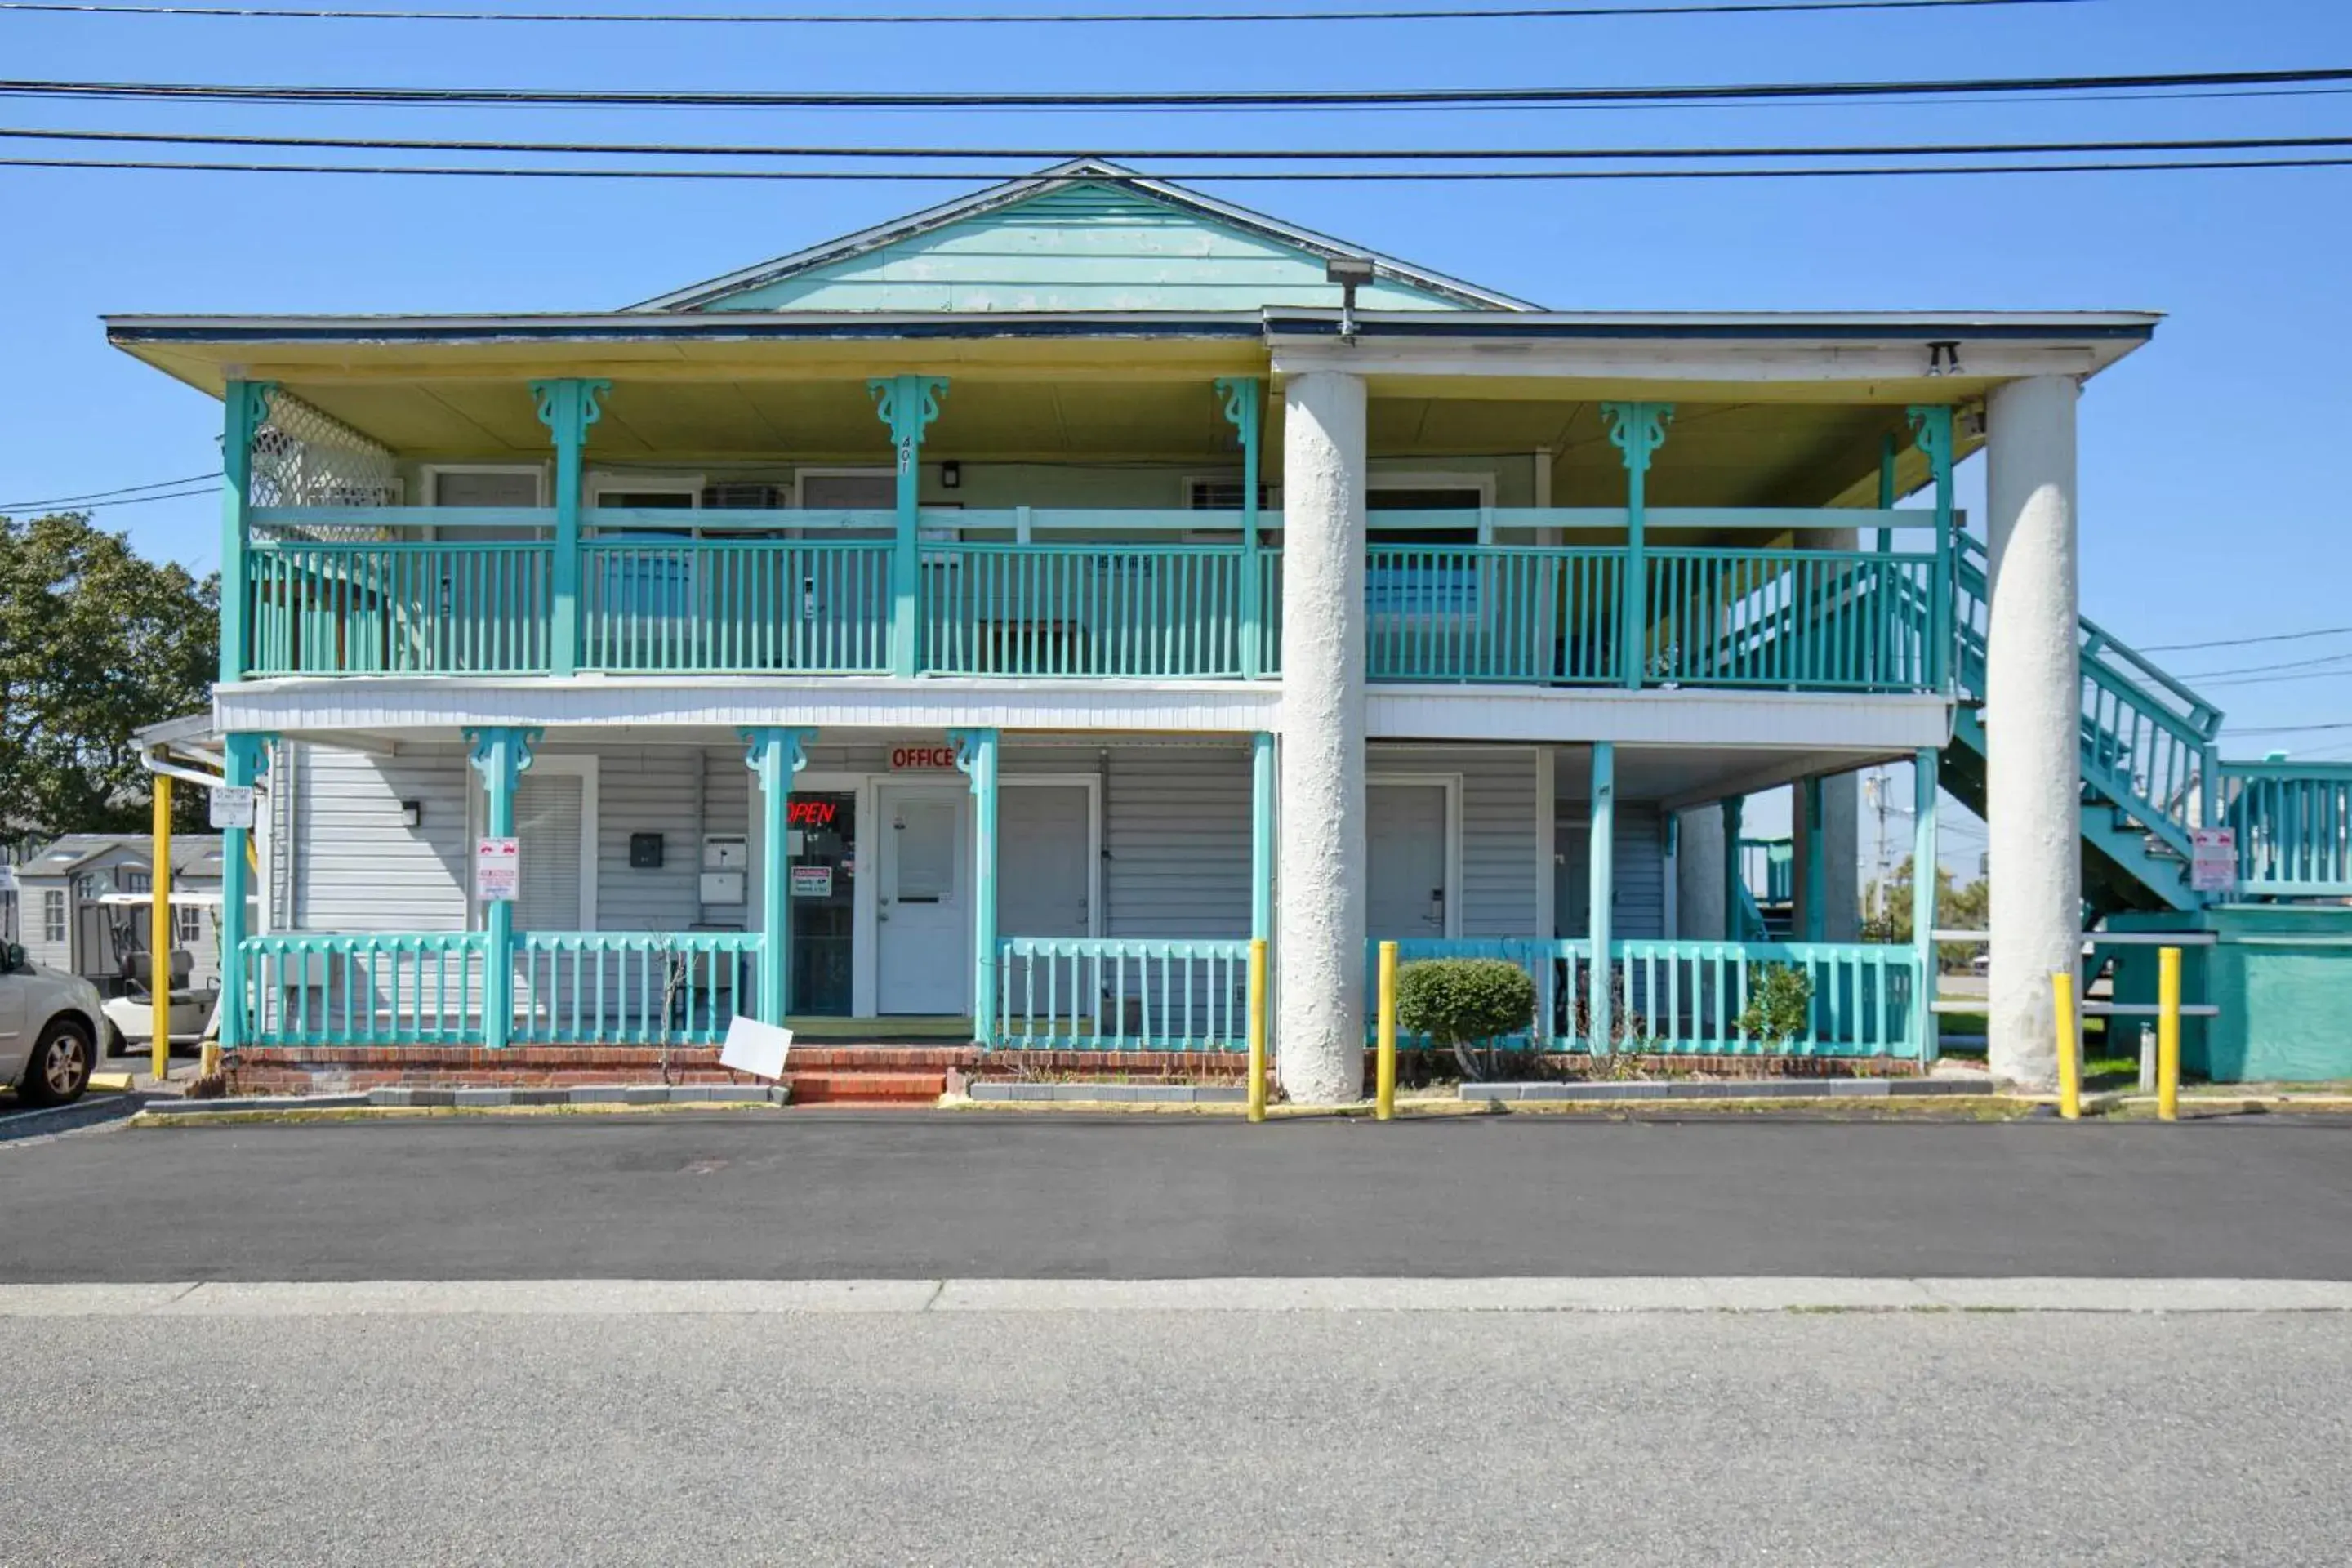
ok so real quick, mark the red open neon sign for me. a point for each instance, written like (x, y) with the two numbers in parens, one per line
(812, 813)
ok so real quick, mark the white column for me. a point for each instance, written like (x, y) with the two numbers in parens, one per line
(1319, 925)
(2032, 716)
(1699, 914)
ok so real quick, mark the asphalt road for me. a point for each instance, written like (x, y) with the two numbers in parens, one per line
(816, 1195)
(1318, 1438)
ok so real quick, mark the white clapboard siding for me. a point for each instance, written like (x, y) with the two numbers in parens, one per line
(357, 867)
(1498, 830)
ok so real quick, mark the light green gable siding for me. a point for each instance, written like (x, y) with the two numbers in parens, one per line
(1081, 247)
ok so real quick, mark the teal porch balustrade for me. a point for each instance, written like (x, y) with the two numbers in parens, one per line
(2294, 822)
(631, 988)
(1686, 998)
(1134, 594)
(1122, 993)
(424, 988)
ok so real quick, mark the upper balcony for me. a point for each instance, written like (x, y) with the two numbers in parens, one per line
(1099, 532)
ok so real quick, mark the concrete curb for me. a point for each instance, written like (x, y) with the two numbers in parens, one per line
(1736, 1088)
(499, 1098)
(1113, 1093)
(645, 1298)
(90, 1111)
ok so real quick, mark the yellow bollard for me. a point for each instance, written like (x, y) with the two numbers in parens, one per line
(1257, 1030)
(159, 932)
(2070, 1056)
(2168, 1034)
(1385, 1059)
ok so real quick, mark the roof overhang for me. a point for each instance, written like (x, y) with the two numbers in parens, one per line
(1938, 357)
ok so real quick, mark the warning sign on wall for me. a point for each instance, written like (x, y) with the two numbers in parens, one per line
(812, 881)
(2214, 860)
(498, 870)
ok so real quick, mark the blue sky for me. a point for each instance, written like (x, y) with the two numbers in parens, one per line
(2212, 501)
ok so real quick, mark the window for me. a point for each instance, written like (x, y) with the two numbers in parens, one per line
(1225, 494)
(555, 820)
(132, 880)
(53, 915)
(187, 925)
(488, 485)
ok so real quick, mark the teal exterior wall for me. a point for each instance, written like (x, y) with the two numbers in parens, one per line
(1081, 247)
(2282, 978)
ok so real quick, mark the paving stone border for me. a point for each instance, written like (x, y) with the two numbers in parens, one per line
(1114, 1093)
(406, 1098)
(1736, 1088)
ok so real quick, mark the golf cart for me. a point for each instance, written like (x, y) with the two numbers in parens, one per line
(130, 1014)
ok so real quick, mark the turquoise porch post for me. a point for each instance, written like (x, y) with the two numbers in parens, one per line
(1733, 879)
(244, 759)
(567, 407)
(774, 753)
(1636, 430)
(1924, 879)
(908, 404)
(976, 755)
(1599, 992)
(1245, 403)
(1932, 433)
(245, 406)
(1262, 837)
(1809, 796)
(501, 754)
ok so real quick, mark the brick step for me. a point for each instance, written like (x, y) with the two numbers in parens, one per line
(866, 1087)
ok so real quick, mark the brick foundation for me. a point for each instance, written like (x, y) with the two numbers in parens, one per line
(818, 1073)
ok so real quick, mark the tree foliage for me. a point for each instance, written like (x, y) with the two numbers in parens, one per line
(95, 642)
(1958, 907)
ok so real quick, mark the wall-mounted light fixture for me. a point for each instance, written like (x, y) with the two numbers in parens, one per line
(412, 814)
(950, 475)
(1351, 273)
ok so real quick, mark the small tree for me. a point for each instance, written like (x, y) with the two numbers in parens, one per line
(1462, 1003)
(1780, 1005)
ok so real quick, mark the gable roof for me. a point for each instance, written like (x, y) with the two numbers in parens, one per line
(904, 250)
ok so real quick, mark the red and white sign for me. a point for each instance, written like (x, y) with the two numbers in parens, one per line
(921, 759)
(2214, 860)
(498, 870)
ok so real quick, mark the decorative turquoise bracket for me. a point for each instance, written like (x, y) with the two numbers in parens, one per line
(501, 754)
(908, 404)
(1637, 430)
(1931, 428)
(1244, 406)
(245, 408)
(774, 753)
(976, 755)
(567, 407)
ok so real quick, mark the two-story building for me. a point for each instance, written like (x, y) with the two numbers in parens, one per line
(1004, 615)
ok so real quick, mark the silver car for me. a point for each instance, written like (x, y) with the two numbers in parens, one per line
(49, 1029)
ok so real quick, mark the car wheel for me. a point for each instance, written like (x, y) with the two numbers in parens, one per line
(60, 1066)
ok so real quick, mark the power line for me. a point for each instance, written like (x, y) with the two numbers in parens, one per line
(127, 500)
(2264, 669)
(1385, 98)
(1217, 154)
(105, 495)
(839, 19)
(1393, 176)
(2248, 642)
(2286, 729)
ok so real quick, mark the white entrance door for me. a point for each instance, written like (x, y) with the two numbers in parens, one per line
(1406, 893)
(1044, 860)
(924, 901)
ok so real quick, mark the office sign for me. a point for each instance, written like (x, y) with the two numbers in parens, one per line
(922, 759)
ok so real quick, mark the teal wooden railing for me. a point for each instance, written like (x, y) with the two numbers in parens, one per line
(365, 988)
(736, 605)
(1083, 610)
(1686, 998)
(1768, 866)
(1500, 613)
(397, 607)
(1122, 993)
(1821, 620)
(630, 988)
(2294, 822)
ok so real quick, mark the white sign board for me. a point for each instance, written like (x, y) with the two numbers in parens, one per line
(498, 870)
(232, 805)
(812, 881)
(2214, 860)
(755, 1047)
(7, 878)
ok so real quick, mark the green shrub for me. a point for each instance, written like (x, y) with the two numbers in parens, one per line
(1780, 1005)
(1461, 1002)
